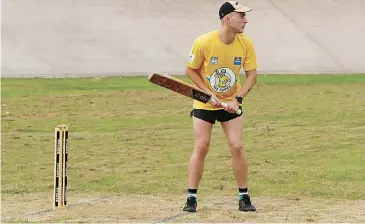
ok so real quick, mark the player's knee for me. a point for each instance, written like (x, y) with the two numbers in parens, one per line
(201, 148)
(236, 149)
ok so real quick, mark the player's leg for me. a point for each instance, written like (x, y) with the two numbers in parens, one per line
(233, 128)
(202, 134)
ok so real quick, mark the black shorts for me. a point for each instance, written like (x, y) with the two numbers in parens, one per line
(214, 115)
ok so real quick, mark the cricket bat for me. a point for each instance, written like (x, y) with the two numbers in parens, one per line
(183, 88)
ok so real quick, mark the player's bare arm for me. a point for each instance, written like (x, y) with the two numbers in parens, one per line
(251, 78)
(196, 78)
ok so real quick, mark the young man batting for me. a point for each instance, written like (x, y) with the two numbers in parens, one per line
(213, 65)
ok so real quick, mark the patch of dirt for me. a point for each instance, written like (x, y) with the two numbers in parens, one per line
(137, 208)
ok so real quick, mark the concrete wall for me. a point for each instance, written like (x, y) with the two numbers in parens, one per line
(120, 37)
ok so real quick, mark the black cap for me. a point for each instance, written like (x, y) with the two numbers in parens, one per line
(232, 6)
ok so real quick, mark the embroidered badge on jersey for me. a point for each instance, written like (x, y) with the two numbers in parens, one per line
(191, 58)
(214, 60)
(237, 60)
(222, 80)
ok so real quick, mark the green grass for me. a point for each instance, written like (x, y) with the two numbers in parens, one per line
(304, 135)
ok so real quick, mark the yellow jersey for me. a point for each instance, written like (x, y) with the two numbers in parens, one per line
(219, 64)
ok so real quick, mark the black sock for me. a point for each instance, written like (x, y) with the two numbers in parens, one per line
(193, 193)
(241, 192)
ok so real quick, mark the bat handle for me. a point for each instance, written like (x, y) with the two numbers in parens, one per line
(225, 105)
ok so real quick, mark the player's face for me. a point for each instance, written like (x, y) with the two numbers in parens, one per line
(238, 21)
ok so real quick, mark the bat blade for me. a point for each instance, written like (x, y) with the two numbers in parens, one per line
(179, 86)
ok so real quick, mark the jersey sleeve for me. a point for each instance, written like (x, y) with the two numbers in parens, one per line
(250, 61)
(196, 56)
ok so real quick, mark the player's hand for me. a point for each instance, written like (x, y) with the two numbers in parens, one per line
(215, 101)
(232, 106)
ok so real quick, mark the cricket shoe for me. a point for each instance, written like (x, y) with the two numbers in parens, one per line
(190, 205)
(245, 204)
